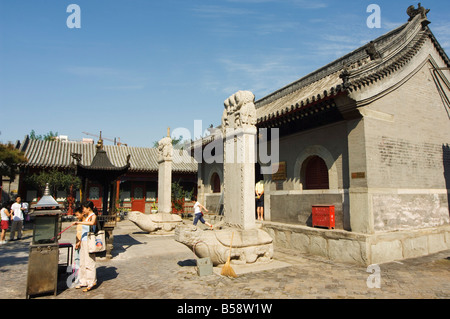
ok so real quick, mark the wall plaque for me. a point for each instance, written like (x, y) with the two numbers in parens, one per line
(281, 174)
(359, 175)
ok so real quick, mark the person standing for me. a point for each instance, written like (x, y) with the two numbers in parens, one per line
(25, 211)
(5, 216)
(88, 272)
(259, 190)
(17, 219)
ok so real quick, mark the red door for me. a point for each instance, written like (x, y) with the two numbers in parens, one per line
(138, 198)
(95, 196)
(316, 175)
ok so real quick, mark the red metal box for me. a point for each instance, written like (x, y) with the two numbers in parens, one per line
(323, 216)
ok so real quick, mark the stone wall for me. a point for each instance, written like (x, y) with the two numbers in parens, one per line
(297, 208)
(360, 249)
(287, 201)
(407, 137)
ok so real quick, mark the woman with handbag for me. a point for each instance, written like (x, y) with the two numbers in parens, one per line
(88, 273)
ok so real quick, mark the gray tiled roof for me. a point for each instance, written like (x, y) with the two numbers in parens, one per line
(57, 154)
(365, 66)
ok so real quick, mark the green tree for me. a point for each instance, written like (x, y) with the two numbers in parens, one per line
(10, 158)
(50, 136)
(179, 194)
(57, 180)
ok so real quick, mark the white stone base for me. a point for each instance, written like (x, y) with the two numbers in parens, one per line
(361, 249)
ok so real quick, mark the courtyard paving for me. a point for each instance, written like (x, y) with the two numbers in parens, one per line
(157, 267)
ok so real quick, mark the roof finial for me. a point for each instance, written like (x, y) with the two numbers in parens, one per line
(47, 190)
(168, 132)
(100, 142)
(413, 12)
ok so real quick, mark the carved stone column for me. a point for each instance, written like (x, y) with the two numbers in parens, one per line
(165, 153)
(164, 221)
(239, 132)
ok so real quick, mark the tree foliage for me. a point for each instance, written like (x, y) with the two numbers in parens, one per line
(179, 194)
(50, 136)
(57, 180)
(10, 158)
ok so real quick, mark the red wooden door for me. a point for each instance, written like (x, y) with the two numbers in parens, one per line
(316, 174)
(138, 198)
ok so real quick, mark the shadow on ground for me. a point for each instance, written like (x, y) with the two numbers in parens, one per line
(122, 243)
(187, 263)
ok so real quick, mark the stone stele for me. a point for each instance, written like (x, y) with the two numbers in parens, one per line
(250, 244)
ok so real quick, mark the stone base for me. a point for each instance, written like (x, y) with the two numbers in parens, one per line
(248, 246)
(360, 249)
(159, 223)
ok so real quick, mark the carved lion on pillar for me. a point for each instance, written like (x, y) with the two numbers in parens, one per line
(239, 110)
(165, 150)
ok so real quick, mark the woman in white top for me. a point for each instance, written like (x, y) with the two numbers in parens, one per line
(5, 215)
(88, 272)
(198, 215)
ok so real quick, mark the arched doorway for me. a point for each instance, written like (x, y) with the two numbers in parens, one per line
(215, 183)
(316, 174)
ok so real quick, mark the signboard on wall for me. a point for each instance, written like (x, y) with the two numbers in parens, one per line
(280, 174)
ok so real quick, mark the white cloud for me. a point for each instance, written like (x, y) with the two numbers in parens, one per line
(261, 74)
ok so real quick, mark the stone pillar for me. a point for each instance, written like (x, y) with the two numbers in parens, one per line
(165, 153)
(164, 221)
(239, 132)
(360, 201)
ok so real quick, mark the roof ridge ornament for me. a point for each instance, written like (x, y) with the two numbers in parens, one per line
(413, 12)
(100, 142)
(47, 189)
(372, 51)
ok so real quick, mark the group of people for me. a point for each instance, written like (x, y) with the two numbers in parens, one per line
(85, 267)
(13, 212)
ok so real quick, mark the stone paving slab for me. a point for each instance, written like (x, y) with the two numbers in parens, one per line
(259, 267)
(157, 267)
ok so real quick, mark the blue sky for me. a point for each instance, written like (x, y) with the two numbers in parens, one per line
(136, 67)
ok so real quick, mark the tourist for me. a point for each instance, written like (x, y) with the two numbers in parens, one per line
(88, 272)
(17, 219)
(198, 214)
(259, 190)
(5, 215)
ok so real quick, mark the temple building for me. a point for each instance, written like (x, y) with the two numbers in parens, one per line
(367, 134)
(137, 188)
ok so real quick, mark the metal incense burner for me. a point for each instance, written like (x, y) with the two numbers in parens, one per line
(44, 249)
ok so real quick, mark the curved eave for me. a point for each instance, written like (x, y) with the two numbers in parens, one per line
(101, 169)
(304, 108)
